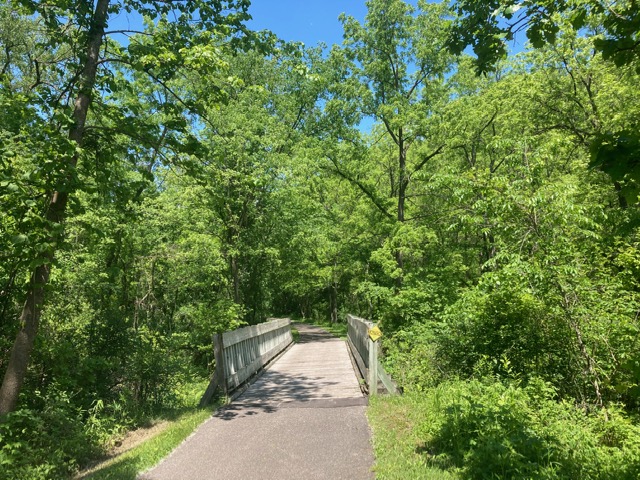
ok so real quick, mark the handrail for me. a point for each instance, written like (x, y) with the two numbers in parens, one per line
(358, 341)
(241, 353)
(365, 352)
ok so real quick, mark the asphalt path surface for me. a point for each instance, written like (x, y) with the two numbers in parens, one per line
(304, 418)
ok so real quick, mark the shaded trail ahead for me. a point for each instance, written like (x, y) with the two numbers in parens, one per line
(303, 419)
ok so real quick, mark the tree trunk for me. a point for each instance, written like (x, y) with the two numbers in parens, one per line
(235, 277)
(403, 183)
(622, 201)
(5, 294)
(30, 317)
(590, 371)
(333, 302)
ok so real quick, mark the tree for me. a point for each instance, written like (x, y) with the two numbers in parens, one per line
(85, 51)
(489, 24)
(396, 63)
(613, 30)
(527, 231)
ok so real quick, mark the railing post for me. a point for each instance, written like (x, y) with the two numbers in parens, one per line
(373, 368)
(218, 352)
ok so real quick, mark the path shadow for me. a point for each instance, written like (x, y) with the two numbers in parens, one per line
(241, 410)
(277, 389)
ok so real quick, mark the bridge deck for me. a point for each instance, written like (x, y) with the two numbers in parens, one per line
(304, 418)
(316, 368)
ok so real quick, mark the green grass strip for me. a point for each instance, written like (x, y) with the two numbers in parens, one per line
(395, 425)
(144, 456)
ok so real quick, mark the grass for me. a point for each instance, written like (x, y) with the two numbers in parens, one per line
(295, 333)
(130, 464)
(398, 447)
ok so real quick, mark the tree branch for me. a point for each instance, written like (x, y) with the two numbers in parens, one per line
(362, 188)
(426, 159)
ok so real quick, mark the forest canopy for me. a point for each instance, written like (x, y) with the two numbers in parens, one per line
(163, 185)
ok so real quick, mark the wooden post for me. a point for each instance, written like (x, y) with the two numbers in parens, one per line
(373, 368)
(218, 352)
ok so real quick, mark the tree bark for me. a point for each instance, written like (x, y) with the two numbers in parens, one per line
(403, 183)
(30, 316)
(333, 302)
(235, 277)
(622, 201)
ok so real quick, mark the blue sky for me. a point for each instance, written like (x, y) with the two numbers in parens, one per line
(313, 21)
(309, 21)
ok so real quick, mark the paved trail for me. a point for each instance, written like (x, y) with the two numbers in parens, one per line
(303, 419)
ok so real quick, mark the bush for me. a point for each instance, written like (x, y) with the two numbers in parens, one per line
(411, 358)
(501, 319)
(494, 430)
(56, 438)
(42, 445)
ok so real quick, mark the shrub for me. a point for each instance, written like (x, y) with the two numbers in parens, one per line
(495, 430)
(42, 445)
(411, 358)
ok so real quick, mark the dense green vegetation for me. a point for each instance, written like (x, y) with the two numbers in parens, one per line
(476, 429)
(160, 186)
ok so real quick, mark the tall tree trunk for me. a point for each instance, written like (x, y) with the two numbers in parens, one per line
(403, 183)
(30, 317)
(5, 294)
(569, 300)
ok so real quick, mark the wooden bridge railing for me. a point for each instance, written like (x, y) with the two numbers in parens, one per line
(365, 352)
(243, 352)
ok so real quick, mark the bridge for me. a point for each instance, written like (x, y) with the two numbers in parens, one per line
(301, 417)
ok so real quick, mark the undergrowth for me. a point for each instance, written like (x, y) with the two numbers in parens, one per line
(488, 429)
(59, 439)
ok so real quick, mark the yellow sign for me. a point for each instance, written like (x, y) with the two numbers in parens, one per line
(375, 333)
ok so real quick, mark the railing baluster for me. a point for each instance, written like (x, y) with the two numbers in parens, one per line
(246, 350)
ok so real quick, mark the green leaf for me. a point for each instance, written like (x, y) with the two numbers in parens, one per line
(19, 239)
